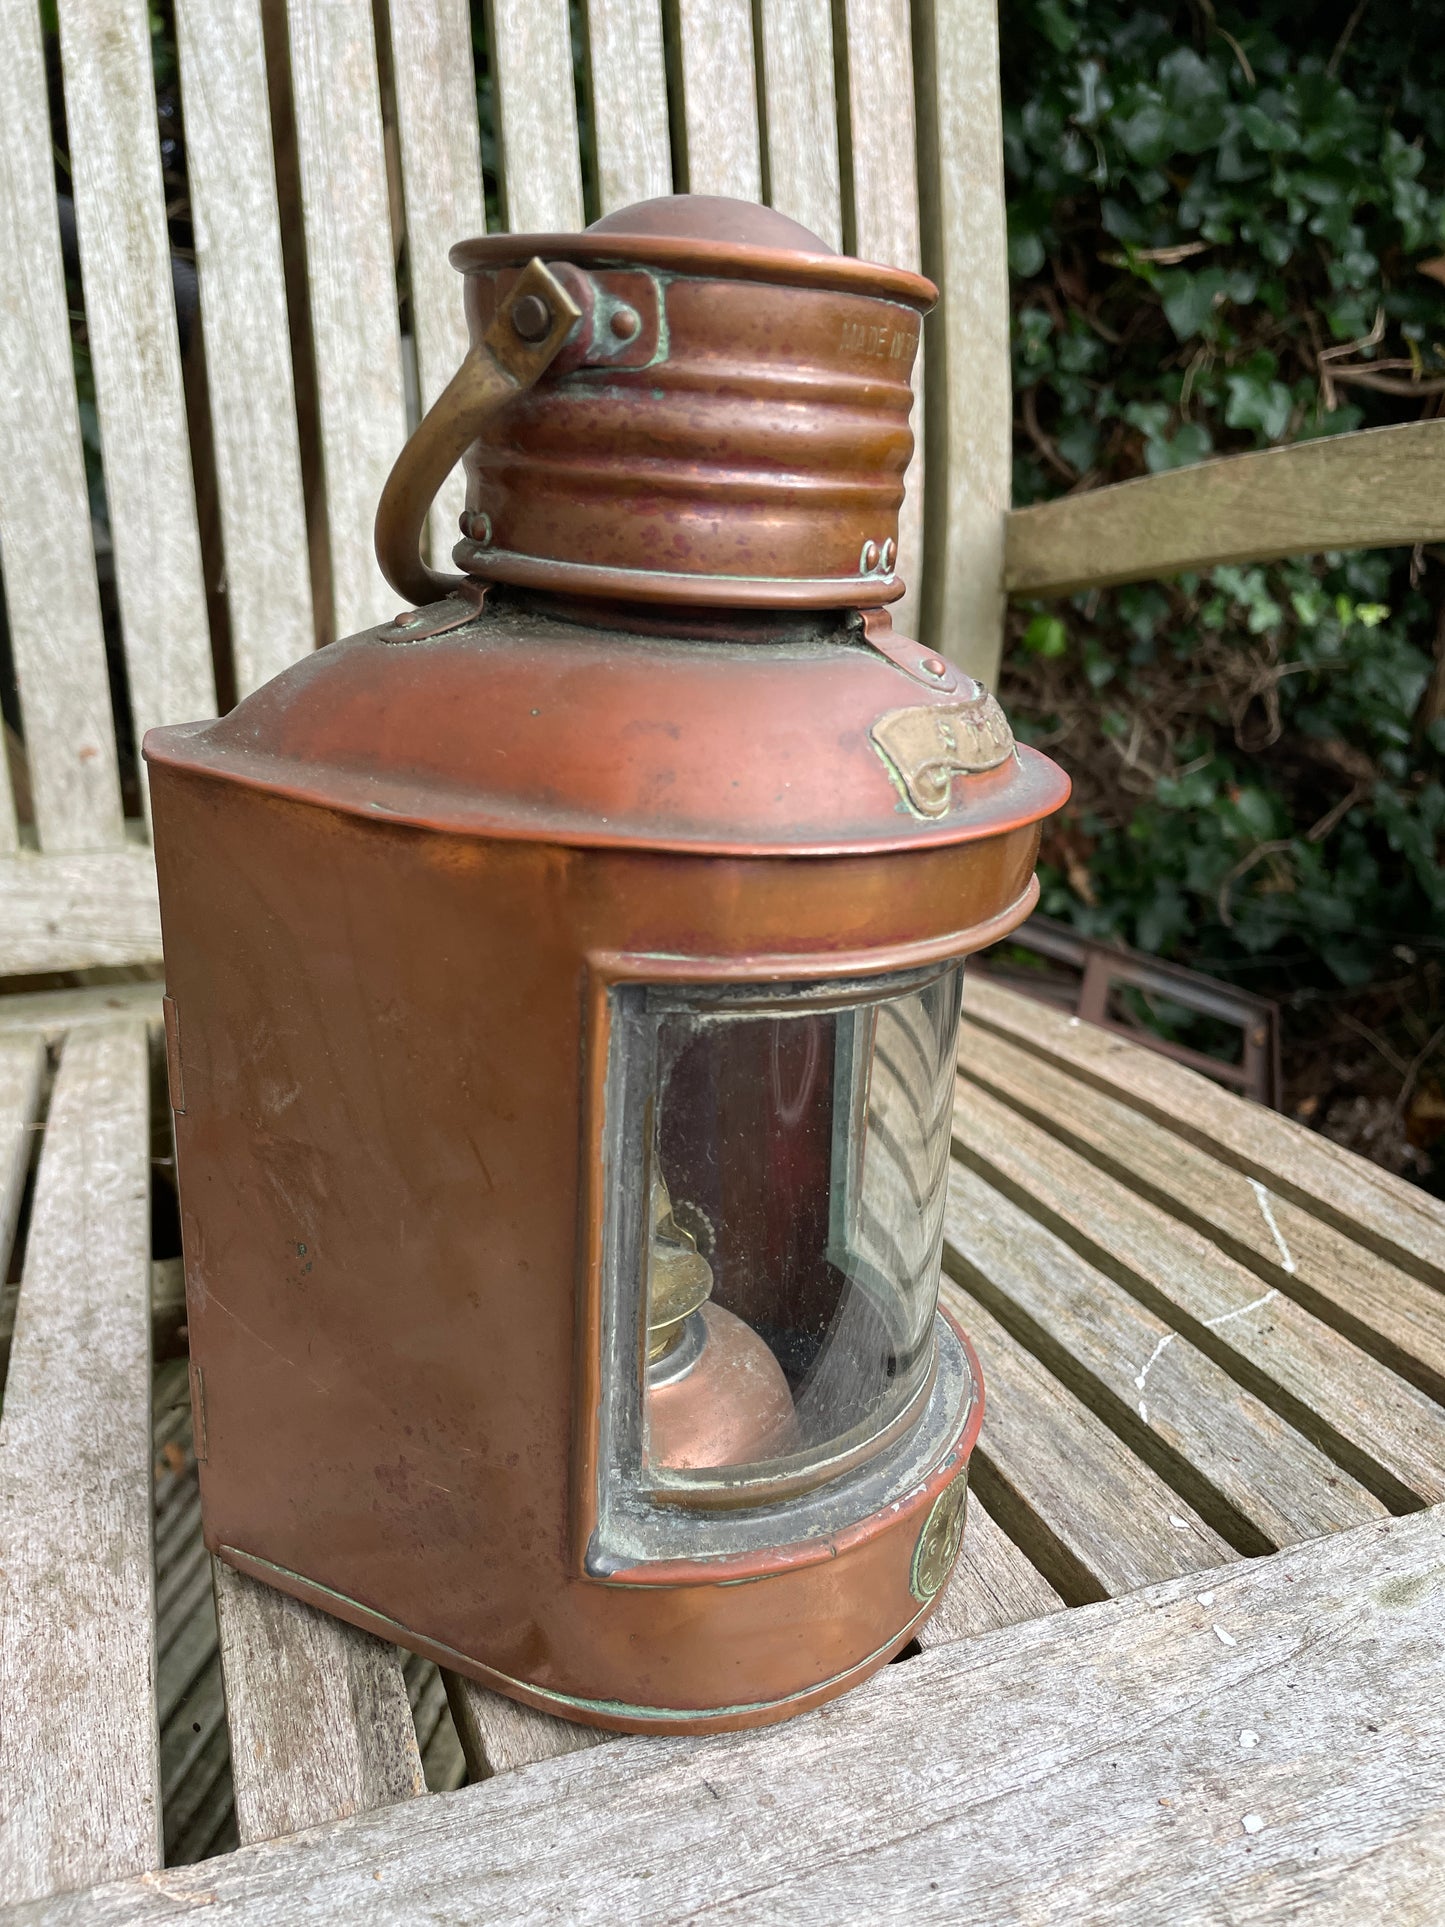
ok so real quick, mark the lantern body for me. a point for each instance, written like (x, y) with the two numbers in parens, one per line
(561, 1012)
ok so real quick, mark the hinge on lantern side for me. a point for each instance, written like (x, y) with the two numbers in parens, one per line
(462, 606)
(175, 1077)
(198, 1413)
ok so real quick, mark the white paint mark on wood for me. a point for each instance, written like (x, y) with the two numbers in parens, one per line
(1248, 1738)
(1225, 1638)
(1240, 1311)
(1252, 1823)
(1179, 1525)
(1162, 1346)
(1206, 1598)
(1267, 1209)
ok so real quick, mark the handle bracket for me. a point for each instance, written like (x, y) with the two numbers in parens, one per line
(527, 332)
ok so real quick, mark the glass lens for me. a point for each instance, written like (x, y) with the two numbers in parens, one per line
(796, 1147)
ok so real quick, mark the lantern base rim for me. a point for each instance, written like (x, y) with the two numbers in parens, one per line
(612, 1715)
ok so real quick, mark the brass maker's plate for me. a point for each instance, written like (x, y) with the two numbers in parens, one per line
(940, 1539)
(923, 749)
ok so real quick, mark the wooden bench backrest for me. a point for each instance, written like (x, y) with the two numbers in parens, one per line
(318, 160)
(328, 175)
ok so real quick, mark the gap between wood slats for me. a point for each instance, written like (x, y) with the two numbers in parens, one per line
(531, 53)
(24, 1096)
(131, 324)
(1380, 1429)
(351, 281)
(878, 147)
(627, 98)
(1093, 1518)
(231, 176)
(968, 395)
(715, 124)
(800, 113)
(1387, 1312)
(51, 600)
(1257, 1482)
(1394, 1218)
(439, 153)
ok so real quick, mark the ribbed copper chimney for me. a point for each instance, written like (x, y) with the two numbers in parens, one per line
(728, 426)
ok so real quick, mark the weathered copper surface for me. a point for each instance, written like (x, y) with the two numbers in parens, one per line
(399, 888)
(740, 440)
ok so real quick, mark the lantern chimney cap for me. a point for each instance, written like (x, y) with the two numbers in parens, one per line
(712, 217)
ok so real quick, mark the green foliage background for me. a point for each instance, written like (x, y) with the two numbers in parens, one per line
(1224, 233)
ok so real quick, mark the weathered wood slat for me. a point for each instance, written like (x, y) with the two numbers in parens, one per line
(883, 186)
(629, 101)
(1097, 1764)
(993, 1585)
(536, 116)
(232, 180)
(51, 1013)
(320, 1722)
(1376, 488)
(1173, 1406)
(969, 402)
(801, 115)
(51, 604)
(1385, 1310)
(79, 1777)
(130, 318)
(352, 284)
(1397, 1219)
(1387, 1434)
(1091, 1517)
(719, 98)
(441, 171)
(72, 912)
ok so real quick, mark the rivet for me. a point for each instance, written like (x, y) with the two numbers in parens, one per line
(407, 619)
(531, 317)
(477, 526)
(624, 323)
(870, 557)
(934, 666)
(885, 560)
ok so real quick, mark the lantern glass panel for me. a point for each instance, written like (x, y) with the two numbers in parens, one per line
(793, 1145)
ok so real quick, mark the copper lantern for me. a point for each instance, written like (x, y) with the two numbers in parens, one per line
(563, 990)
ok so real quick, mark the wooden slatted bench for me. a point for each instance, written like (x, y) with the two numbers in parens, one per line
(1189, 1665)
(1202, 1590)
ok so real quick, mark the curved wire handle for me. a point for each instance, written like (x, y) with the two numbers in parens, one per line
(506, 362)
